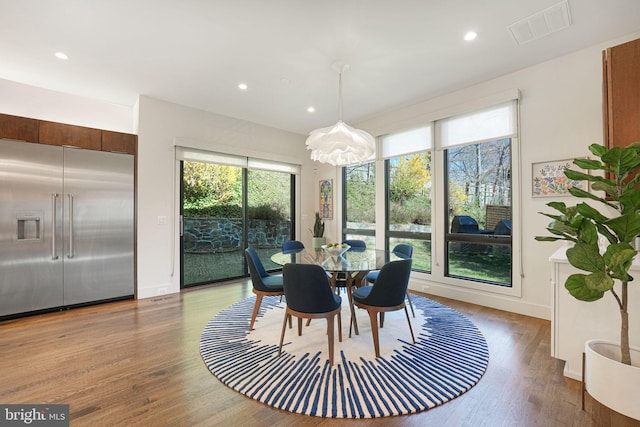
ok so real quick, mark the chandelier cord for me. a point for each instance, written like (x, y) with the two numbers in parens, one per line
(340, 95)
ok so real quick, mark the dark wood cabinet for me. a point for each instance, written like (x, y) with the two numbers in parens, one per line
(19, 128)
(53, 133)
(119, 142)
(621, 94)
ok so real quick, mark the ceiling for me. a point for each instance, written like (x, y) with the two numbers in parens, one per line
(195, 52)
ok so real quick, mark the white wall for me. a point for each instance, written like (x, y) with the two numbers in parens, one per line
(23, 100)
(560, 115)
(161, 125)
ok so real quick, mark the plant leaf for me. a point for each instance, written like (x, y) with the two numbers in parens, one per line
(586, 257)
(548, 239)
(600, 282)
(598, 149)
(578, 176)
(588, 233)
(590, 212)
(577, 287)
(589, 164)
(610, 189)
(622, 160)
(559, 206)
(626, 226)
(630, 200)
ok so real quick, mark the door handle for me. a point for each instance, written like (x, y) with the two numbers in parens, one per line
(54, 254)
(70, 255)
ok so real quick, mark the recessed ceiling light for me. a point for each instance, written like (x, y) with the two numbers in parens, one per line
(471, 35)
(311, 109)
(61, 55)
(243, 86)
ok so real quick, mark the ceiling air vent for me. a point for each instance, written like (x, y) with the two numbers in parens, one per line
(550, 20)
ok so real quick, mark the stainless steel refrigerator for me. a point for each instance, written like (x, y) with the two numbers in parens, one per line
(66, 226)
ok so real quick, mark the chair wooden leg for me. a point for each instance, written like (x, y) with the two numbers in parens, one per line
(339, 327)
(382, 319)
(411, 304)
(353, 322)
(299, 326)
(284, 328)
(373, 315)
(409, 322)
(256, 307)
(330, 334)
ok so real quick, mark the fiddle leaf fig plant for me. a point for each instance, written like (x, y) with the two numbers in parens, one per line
(618, 222)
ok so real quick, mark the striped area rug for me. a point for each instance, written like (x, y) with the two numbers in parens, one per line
(449, 357)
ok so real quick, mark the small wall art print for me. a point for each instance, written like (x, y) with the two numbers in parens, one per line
(326, 199)
(549, 179)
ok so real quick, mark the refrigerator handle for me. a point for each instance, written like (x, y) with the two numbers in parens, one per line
(54, 254)
(70, 226)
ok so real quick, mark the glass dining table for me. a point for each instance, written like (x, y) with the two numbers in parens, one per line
(347, 270)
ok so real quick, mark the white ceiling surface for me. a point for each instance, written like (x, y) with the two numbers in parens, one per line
(195, 52)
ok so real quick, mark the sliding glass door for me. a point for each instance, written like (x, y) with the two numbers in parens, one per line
(213, 225)
(230, 203)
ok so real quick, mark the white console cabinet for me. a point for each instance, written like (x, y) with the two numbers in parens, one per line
(574, 322)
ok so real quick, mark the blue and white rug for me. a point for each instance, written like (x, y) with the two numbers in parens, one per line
(449, 357)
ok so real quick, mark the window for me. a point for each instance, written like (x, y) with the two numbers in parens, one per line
(458, 172)
(359, 218)
(478, 207)
(408, 189)
(477, 174)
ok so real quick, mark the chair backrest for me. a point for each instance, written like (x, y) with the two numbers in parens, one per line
(292, 246)
(307, 288)
(256, 269)
(403, 250)
(356, 244)
(391, 285)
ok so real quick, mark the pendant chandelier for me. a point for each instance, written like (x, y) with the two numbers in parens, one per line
(340, 144)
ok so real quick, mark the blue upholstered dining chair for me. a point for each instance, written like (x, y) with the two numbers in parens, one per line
(264, 284)
(401, 250)
(292, 246)
(386, 294)
(308, 294)
(356, 244)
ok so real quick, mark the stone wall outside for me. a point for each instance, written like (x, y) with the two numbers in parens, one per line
(212, 235)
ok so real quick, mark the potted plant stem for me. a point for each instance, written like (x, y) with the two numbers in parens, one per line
(616, 224)
(317, 233)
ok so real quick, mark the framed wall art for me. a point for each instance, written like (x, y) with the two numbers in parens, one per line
(326, 199)
(549, 180)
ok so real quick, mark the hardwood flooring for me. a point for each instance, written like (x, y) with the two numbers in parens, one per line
(137, 363)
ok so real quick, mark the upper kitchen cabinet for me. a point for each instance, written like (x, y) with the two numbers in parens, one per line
(19, 128)
(119, 142)
(52, 133)
(621, 94)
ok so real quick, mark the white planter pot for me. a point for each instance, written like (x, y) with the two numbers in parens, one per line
(317, 242)
(610, 382)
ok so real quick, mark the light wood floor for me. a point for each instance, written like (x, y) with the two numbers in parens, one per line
(137, 363)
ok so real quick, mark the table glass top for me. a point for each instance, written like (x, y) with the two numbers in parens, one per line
(350, 261)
